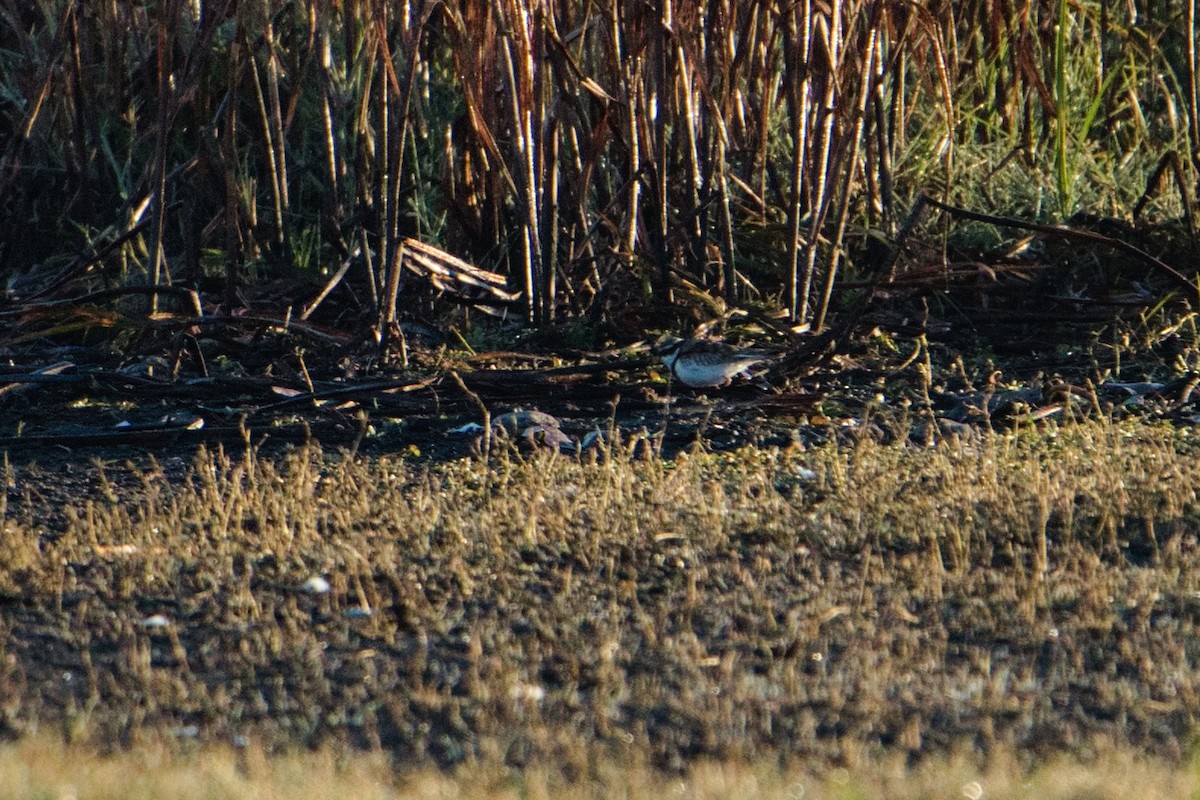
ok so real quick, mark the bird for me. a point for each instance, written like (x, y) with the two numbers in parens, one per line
(707, 363)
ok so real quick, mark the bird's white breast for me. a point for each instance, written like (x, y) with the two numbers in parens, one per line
(701, 372)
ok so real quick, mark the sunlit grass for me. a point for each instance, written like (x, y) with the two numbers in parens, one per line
(43, 768)
(1032, 592)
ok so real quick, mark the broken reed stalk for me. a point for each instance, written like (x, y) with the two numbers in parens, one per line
(279, 171)
(693, 222)
(269, 148)
(158, 258)
(488, 433)
(873, 51)
(1193, 84)
(658, 98)
(628, 69)
(393, 137)
(829, 43)
(549, 222)
(799, 101)
(388, 261)
(518, 49)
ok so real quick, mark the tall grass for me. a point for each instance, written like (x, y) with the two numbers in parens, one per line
(599, 154)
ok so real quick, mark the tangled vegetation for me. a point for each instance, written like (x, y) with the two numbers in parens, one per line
(606, 161)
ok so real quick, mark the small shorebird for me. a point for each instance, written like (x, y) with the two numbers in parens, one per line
(705, 363)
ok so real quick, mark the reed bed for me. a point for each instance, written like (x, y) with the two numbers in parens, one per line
(602, 156)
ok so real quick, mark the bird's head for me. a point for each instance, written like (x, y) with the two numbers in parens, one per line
(667, 346)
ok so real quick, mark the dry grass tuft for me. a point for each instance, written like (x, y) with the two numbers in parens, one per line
(1034, 593)
(43, 768)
